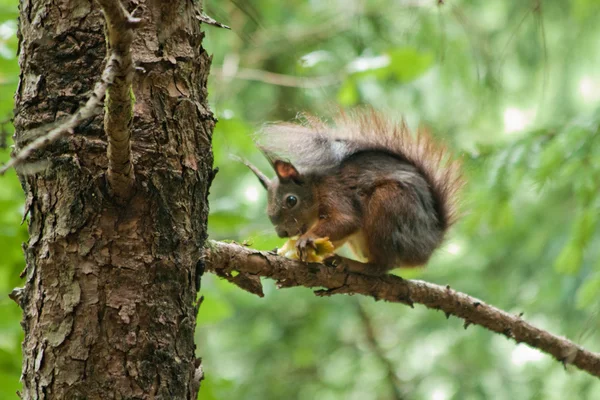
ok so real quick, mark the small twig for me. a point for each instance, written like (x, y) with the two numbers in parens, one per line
(225, 258)
(119, 101)
(394, 381)
(268, 42)
(273, 78)
(205, 19)
(91, 108)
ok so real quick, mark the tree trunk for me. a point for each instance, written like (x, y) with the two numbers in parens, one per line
(110, 296)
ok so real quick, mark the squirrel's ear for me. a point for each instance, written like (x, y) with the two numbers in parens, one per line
(286, 171)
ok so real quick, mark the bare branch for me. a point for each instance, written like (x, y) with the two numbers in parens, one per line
(392, 377)
(205, 19)
(273, 78)
(91, 108)
(228, 260)
(119, 101)
(116, 78)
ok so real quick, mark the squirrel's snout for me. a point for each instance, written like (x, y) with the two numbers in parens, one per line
(281, 232)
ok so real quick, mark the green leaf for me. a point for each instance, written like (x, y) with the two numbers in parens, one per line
(569, 260)
(407, 63)
(348, 93)
(588, 292)
(584, 226)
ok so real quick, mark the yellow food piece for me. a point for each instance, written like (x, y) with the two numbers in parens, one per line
(324, 249)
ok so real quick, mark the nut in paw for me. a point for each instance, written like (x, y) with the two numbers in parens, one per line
(305, 249)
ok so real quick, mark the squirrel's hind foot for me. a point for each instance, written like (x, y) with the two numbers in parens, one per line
(344, 264)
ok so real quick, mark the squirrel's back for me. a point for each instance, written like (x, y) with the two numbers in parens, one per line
(314, 146)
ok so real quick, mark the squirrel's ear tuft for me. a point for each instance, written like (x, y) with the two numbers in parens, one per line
(264, 181)
(286, 171)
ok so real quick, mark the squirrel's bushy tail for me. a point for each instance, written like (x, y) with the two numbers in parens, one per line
(314, 145)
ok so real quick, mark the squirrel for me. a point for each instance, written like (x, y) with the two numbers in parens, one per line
(365, 181)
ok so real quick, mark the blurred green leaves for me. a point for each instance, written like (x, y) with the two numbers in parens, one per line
(399, 65)
(407, 63)
(509, 86)
(571, 257)
(12, 233)
(587, 294)
(504, 84)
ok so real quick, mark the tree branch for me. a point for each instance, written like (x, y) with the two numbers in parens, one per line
(392, 377)
(116, 78)
(91, 108)
(273, 78)
(241, 265)
(120, 99)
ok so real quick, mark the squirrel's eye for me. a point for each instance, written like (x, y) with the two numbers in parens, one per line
(291, 201)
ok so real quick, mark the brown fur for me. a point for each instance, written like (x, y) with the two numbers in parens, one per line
(369, 129)
(365, 180)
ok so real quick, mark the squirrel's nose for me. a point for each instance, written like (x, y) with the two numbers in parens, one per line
(281, 232)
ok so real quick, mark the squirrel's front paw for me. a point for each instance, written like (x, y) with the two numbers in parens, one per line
(306, 247)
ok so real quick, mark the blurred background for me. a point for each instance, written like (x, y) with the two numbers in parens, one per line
(512, 86)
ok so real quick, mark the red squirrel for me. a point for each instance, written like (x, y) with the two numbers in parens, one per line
(365, 181)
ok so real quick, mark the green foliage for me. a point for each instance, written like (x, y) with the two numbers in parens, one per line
(12, 233)
(510, 87)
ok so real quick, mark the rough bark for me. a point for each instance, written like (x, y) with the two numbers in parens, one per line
(244, 267)
(110, 296)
